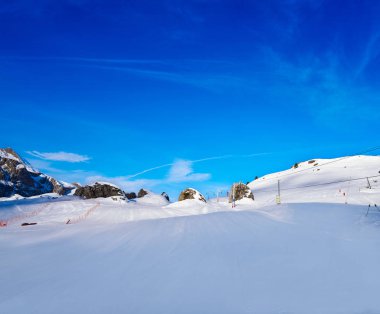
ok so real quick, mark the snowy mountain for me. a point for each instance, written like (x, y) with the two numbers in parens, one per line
(17, 176)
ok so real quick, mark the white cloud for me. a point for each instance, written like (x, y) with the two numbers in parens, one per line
(125, 183)
(60, 156)
(43, 165)
(196, 161)
(182, 171)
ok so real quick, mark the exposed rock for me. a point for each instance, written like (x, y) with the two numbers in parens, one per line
(6, 189)
(98, 190)
(131, 195)
(191, 194)
(59, 187)
(142, 193)
(76, 184)
(164, 194)
(240, 191)
(17, 176)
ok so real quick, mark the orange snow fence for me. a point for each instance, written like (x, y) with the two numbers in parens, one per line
(14, 219)
(83, 216)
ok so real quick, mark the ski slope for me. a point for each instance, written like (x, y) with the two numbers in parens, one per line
(340, 180)
(317, 252)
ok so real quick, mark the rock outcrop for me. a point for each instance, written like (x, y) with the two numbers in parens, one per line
(131, 195)
(17, 176)
(191, 194)
(164, 194)
(142, 193)
(240, 191)
(99, 189)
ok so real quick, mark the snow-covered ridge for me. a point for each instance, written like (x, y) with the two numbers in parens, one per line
(5, 154)
(104, 183)
(320, 170)
(323, 180)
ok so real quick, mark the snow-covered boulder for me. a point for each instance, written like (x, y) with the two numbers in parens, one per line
(191, 194)
(240, 191)
(99, 189)
(152, 199)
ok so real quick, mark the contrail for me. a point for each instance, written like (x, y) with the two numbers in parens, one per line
(83, 59)
(196, 161)
(149, 170)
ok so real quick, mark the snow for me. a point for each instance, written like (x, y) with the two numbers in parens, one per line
(152, 198)
(312, 254)
(20, 166)
(294, 182)
(4, 154)
(105, 183)
(66, 185)
(6, 182)
(245, 200)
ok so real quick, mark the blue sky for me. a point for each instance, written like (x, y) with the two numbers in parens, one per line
(108, 89)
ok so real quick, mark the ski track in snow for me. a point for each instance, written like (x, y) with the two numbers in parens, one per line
(311, 254)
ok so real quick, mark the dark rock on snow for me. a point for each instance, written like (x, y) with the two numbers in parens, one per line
(131, 195)
(142, 193)
(98, 190)
(164, 194)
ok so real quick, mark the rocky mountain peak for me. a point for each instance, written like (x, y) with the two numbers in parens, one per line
(18, 177)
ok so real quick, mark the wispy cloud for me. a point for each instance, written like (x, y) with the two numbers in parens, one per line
(181, 171)
(210, 81)
(87, 60)
(60, 156)
(371, 51)
(125, 183)
(188, 72)
(196, 161)
(322, 86)
(43, 165)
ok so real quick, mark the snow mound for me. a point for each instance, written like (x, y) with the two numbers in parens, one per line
(152, 198)
(187, 204)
